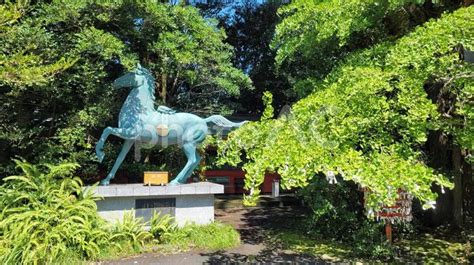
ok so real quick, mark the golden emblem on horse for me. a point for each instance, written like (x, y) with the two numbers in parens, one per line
(162, 130)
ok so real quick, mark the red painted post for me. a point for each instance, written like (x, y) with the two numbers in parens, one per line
(388, 231)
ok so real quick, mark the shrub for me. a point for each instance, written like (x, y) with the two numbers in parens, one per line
(370, 242)
(338, 214)
(337, 210)
(46, 216)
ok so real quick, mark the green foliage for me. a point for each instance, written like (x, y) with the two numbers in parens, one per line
(250, 29)
(185, 52)
(368, 245)
(338, 215)
(456, 104)
(365, 121)
(161, 226)
(215, 236)
(428, 249)
(337, 212)
(301, 243)
(47, 215)
(267, 102)
(59, 58)
(369, 241)
(9, 13)
(131, 230)
(20, 62)
(314, 35)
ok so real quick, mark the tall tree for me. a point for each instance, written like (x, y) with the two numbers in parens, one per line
(315, 35)
(368, 114)
(250, 28)
(59, 58)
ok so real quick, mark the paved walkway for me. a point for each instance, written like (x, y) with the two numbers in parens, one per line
(257, 245)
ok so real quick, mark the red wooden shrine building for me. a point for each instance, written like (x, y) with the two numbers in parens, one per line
(233, 180)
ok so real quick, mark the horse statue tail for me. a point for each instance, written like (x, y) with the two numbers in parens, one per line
(223, 122)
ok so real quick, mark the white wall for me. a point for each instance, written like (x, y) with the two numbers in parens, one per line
(197, 208)
(192, 208)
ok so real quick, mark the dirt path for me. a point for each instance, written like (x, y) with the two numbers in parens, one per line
(257, 245)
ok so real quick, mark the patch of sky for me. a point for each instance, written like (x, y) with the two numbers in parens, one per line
(223, 9)
(138, 22)
(224, 2)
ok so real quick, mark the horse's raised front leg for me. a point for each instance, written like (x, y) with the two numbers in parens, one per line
(124, 133)
(193, 161)
(123, 153)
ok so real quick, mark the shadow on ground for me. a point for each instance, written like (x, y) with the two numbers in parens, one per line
(222, 257)
(255, 226)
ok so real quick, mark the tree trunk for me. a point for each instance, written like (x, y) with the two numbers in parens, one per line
(458, 186)
(163, 87)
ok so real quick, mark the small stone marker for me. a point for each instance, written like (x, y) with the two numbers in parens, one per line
(276, 188)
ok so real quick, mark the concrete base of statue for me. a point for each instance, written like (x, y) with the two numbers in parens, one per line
(187, 203)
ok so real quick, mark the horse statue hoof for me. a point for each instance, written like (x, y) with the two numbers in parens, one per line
(104, 182)
(174, 182)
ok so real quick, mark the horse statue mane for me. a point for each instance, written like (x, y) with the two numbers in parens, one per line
(149, 77)
(142, 125)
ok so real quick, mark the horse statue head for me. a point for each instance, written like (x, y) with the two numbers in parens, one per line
(137, 78)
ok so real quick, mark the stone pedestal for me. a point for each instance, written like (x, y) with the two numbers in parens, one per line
(187, 203)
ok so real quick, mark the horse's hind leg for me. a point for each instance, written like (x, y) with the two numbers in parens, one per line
(190, 152)
(123, 153)
(189, 170)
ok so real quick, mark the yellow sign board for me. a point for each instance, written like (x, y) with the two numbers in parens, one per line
(156, 177)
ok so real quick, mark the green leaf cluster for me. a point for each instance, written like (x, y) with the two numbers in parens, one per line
(365, 121)
(314, 35)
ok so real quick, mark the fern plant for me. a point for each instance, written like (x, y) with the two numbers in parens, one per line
(162, 225)
(131, 230)
(47, 215)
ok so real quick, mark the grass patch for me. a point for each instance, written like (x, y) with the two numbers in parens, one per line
(421, 249)
(214, 236)
(122, 249)
(325, 249)
(432, 250)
